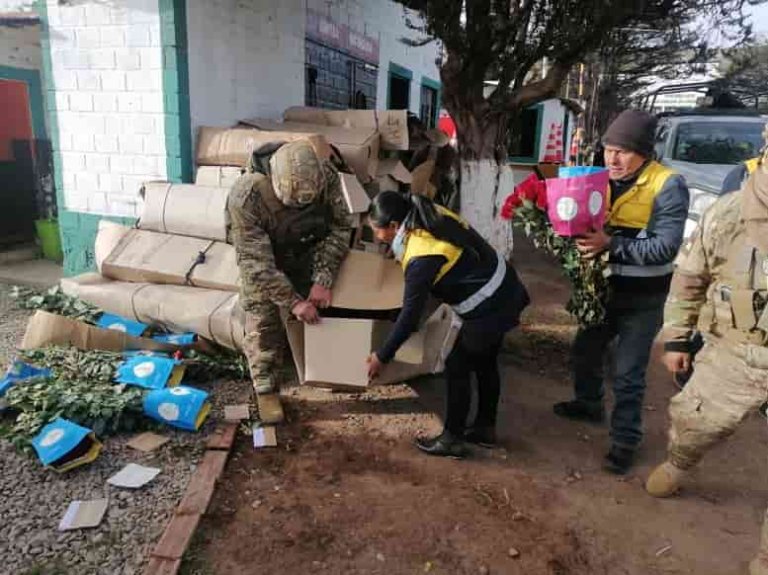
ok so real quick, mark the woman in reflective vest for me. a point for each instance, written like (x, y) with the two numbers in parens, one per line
(443, 256)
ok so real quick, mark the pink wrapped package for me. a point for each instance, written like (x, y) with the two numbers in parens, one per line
(577, 204)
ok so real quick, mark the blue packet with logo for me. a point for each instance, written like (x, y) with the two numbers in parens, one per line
(64, 445)
(117, 323)
(19, 371)
(150, 372)
(182, 406)
(176, 338)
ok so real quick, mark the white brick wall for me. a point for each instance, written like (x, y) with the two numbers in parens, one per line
(246, 59)
(107, 76)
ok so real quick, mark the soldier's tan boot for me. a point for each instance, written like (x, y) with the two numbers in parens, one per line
(665, 480)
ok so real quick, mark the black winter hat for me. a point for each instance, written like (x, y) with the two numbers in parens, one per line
(634, 130)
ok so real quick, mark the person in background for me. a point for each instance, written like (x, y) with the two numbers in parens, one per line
(443, 256)
(647, 212)
(290, 229)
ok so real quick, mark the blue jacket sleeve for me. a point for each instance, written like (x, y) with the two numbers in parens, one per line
(734, 179)
(419, 277)
(664, 234)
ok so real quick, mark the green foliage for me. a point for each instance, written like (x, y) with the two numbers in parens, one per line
(202, 367)
(55, 301)
(587, 277)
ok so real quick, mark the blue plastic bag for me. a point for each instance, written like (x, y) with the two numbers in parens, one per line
(150, 372)
(117, 323)
(19, 371)
(61, 436)
(182, 406)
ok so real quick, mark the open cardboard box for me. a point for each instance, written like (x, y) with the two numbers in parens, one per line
(391, 173)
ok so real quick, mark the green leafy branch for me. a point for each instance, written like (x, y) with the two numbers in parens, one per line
(55, 301)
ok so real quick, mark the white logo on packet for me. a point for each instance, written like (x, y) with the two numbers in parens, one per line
(179, 391)
(567, 208)
(144, 369)
(52, 437)
(595, 202)
(118, 327)
(168, 411)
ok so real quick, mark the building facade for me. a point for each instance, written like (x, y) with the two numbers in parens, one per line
(128, 84)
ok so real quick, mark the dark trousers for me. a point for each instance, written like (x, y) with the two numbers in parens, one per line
(478, 355)
(633, 321)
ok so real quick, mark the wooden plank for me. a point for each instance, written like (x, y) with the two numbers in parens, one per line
(270, 408)
(177, 536)
(162, 566)
(199, 491)
(223, 437)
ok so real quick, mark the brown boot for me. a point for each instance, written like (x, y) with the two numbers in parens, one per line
(665, 480)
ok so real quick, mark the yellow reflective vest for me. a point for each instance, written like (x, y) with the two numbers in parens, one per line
(421, 243)
(633, 208)
(752, 164)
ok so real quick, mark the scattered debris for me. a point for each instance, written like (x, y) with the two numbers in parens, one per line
(237, 412)
(513, 553)
(148, 441)
(264, 437)
(133, 476)
(55, 301)
(83, 514)
(663, 550)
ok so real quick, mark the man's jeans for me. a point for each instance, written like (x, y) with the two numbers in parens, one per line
(633, 320)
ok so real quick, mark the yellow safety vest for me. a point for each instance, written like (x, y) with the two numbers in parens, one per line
(421, 243)
(752, 164)
(633, 209)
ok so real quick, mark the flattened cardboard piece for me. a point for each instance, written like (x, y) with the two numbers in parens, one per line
(238, 412)
(264, 437)
(359, 147)
(395, 169)
(45, 329)
(185, 210)
(392, 124)
(147, 442)
(212, 314)
(83, 514)
(347, 370)
(153, 257)
(220, 176)
(368, 282)
(354, 194)
(233, 146)
(108, 236)
(133, 476)
(421, 179)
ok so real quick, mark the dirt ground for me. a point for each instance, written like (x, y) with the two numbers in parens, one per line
(346, 492)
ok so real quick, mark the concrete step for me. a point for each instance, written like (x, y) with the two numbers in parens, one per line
(19, 253)
(32, 273)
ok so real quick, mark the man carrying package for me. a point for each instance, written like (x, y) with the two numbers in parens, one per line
(647, 211)
(291, 232)
(720, 284)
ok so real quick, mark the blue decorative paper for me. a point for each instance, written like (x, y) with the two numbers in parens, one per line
(57, 439)
(149, 372)
(176, 338)
(19, 371)
(117, 323)
(181, 406)
(576, 171)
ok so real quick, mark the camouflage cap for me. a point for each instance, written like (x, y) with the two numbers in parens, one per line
(297, 176)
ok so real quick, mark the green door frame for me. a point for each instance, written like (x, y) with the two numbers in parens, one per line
(437, 87)
(404, 74)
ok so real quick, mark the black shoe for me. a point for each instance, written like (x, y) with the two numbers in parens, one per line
(484, 436)
(619, 460)
(444, 445)
(580, 411)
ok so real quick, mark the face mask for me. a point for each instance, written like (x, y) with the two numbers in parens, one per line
(398, 244)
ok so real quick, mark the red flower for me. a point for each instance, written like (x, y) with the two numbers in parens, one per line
(541, 196)
(527, 188)
(510, 205)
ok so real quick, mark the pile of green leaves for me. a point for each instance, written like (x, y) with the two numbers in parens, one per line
(587, 277)
(81, 390)
(224, 365)
(55, 301)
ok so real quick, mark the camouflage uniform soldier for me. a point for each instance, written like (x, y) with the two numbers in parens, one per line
(720, 285)
(291, 232)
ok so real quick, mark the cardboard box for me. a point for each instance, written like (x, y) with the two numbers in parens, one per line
(220, 176)
(333, 353)
(185, 209)
(368, 281)
(234, 146)
(212, 314)
(357, 200)
(391, 124)
(391, 174)
(421, 180)
(45, 329)
(358, 147)
(144, 256)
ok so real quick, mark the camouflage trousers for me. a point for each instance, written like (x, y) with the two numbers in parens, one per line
(264, 344)
(728, 383)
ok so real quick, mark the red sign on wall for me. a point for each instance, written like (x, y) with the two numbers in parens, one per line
(336, 35)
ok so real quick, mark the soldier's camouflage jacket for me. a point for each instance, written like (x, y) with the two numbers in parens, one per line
(261, 278)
